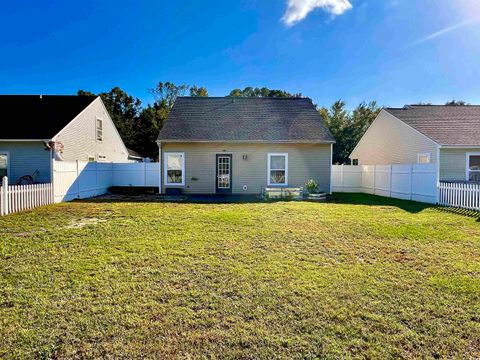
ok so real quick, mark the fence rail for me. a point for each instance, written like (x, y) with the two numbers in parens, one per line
(461, 195)
(16, 198)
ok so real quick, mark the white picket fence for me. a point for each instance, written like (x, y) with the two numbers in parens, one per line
(15, 198)
(409, 181)
(461, 195)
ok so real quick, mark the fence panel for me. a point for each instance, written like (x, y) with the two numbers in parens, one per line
(462, 195)
(16, 198)
(405, 181)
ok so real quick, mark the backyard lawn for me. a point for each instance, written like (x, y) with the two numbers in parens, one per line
(360, 277)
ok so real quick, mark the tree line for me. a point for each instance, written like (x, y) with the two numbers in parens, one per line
(139, 125)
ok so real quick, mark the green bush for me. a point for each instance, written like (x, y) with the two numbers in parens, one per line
(311, 186)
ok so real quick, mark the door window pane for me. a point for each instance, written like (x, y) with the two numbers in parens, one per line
(3, 165)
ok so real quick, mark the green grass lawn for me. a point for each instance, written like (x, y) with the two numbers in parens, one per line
(360, 277)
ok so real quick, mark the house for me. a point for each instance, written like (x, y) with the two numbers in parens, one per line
(448, 136)
(243, 145)
(39, 128)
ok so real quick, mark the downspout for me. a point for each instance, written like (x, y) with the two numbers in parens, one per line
(331, 164)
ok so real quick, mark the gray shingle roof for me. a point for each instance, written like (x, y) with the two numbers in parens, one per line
(244, 119)
(39, 116)
(446, 125)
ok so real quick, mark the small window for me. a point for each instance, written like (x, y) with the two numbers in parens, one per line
(355, 162)
(423, 158)
(473, 167)
(91, 159)
(3, 165)
(99, 127)
(277, 169)
(174, 168)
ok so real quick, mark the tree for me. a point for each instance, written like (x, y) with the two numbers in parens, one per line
(262, 92)
(348, 128)
(456, 103)
(198, 91)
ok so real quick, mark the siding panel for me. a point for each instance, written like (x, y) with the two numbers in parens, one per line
(389, 141)
(79, 137)
(453, 163)
(25, 158)
(305, 161)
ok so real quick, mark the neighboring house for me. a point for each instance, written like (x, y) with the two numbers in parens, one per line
(448, 136)
(242, 145)
(38, 128)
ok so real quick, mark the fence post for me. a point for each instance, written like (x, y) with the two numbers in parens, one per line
(5, 195)
(341, 178)
(411, 181)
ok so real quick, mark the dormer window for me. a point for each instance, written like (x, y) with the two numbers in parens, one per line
(99, 129)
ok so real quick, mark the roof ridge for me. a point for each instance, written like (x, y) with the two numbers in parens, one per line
(242, 97)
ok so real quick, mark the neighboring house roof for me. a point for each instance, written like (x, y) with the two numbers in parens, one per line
(446, 125)
(133, 154)
(244, 119)
(39, 116)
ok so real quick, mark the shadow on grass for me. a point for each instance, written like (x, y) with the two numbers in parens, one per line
(407, 205)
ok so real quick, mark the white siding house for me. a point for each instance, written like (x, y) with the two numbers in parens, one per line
(448, 136)
(62, 127)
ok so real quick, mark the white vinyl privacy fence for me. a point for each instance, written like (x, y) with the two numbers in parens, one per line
(409, 182)
(81, 180)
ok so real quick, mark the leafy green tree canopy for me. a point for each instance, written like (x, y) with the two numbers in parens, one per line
(348, 127)
(262, 92)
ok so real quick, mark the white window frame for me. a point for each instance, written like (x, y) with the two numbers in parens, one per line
(5, 152)
(428, 155)
(165, 168)
(97, 119)
(269, 156)
(467, 164)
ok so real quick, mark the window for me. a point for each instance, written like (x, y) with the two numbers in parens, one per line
(3, 165)
(174, 168)
(423, 158)
(473, 167)
(91, 159)
(277, 169)
(355, 162)
(99, 128)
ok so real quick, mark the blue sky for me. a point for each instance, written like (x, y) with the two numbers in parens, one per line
(392, 51)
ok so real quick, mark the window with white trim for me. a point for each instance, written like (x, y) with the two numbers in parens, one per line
(99, 129)
(473, 167)
(423, 158)
(174, 165)
(3, 165)
(277, 169)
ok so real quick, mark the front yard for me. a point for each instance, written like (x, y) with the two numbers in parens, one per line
(362, 277)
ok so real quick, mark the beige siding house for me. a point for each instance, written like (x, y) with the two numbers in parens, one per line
(448, 136)
(243, 145)
(61, 127)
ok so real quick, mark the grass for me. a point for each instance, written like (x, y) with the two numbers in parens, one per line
(360, 277)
